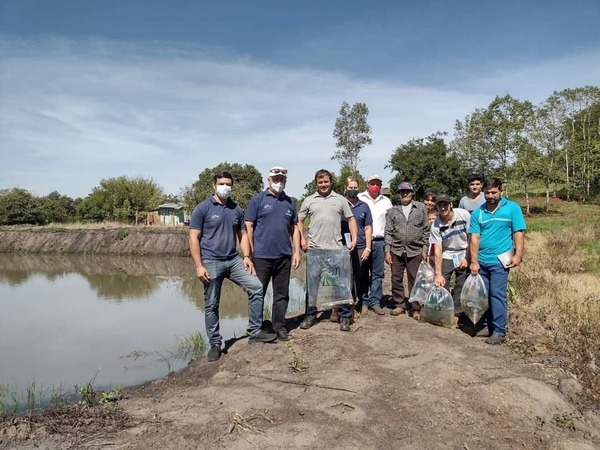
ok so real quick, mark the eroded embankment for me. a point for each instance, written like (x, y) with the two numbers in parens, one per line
(118, 241)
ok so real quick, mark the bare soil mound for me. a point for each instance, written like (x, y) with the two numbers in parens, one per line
(392, 382)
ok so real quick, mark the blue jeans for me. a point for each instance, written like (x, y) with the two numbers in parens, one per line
(234, 270)
(377, 271)
(495, 277)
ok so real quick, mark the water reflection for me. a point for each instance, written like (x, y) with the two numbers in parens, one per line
(63, 317)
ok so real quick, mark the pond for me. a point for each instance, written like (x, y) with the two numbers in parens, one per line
(66, 321)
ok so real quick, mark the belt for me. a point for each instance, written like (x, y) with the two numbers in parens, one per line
(378, 239)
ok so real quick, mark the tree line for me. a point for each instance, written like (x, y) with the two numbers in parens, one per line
(555, 144)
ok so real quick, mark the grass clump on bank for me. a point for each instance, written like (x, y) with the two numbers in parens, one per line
(557, 303)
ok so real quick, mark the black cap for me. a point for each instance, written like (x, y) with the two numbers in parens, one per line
(442, 198)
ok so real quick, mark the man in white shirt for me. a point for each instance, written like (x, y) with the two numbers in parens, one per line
(449, 237)
(475, 198)
(379, 204)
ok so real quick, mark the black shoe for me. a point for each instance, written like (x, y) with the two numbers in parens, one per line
(262, 336)
(495, 339)
(214, 353)
(344, 324)
(283, 335)
(308, 322)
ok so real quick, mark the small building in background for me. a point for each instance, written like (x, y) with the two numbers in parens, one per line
(169, 214)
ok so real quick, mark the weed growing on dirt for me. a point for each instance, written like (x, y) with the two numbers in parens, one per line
(566, 421)
(296, 362)
(122, 234)
(113, 395)
(244, 422)
(87, 394)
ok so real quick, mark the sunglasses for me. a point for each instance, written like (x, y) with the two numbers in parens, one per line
(278, 170)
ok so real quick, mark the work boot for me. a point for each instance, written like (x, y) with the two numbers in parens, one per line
(344, 324)
(308, 322)
(365, 311)
(335, 314)
(283, 335)
(355, 313)
(397, 311)
(378, 310)
(214, 353)
(495, 339)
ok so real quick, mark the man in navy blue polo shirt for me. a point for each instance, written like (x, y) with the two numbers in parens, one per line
(215, 228)
(271, 219)
(496, 245)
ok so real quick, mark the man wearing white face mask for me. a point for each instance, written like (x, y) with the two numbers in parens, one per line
(271, 220)
(216, 226)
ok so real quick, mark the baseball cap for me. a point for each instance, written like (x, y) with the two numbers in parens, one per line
(374, 177)
(405, 186)
(278, 170)
(442, 198)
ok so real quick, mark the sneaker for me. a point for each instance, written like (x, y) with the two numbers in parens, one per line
(484, 332)
(335, 314)
(378, 310)
(214, 353)
(308, 322)
(495, 339)
(283, 335)
(345, 324)
(262, 336)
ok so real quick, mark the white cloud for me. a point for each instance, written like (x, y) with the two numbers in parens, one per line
(72, 113)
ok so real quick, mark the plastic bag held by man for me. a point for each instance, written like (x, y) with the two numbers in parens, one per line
(439, 307)
(474, 298)
(423, 283)
(329, 277)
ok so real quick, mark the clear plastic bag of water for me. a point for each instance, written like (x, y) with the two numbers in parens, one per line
(438, 308)
(423, 283)
(329, 277)
(474, 298)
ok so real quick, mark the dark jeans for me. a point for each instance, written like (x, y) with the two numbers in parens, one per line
(277, 270)
(461, 275)
(399, 265)
(360, 278)
(376, 264)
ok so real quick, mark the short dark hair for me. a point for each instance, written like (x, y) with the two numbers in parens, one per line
(429, 195)
(474, 177)
(491, 183)
(323, 173)
(223, 174)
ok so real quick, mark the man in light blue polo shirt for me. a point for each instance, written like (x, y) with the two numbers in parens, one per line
(271, 220)
(496, 245)
(215, 228)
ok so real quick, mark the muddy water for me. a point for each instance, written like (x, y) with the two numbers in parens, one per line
(67, 319)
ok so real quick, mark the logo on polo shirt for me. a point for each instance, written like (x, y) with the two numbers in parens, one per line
(267, 207)
(289, 213)
(215, 216)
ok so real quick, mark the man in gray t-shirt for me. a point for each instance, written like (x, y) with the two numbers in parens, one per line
(475, 198)
(325, 209)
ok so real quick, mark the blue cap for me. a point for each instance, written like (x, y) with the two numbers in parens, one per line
(405, 186)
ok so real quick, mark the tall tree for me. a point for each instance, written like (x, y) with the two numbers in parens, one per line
(18, 207)
(247, 181)
(428, 164)
(351, 133)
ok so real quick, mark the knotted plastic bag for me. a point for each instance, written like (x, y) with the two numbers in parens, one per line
(439, 307)
(328, 277)
(423, 283)
(474, 298)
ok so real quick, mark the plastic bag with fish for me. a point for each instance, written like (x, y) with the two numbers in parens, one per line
(423, 283)
(474, 298)
(439, 307)
(328, 277)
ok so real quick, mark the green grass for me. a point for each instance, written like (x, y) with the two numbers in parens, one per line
(550, 223)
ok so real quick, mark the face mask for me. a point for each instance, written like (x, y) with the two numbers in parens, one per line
(374, 190)
(351, 193)
(223, 191)
(277, 187)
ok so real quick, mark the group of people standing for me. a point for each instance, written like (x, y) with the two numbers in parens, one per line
(271, 234)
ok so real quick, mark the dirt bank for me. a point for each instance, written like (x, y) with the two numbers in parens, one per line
(391, 383)
(114, 241)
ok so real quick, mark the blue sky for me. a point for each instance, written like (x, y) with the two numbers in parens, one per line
(95, 89)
